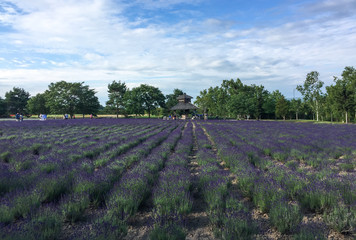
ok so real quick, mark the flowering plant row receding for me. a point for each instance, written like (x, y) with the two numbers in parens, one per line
(87, 179)
(75, 181)
(288, 187)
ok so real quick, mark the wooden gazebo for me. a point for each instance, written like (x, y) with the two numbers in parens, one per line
(184, 104)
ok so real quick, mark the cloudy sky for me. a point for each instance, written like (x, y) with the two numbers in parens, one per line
(185, 44)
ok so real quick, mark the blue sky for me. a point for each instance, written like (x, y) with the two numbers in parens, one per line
(185, 44)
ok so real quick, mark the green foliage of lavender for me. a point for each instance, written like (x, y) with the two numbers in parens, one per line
(285, 217)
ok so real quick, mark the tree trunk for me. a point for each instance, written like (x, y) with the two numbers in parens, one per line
(346, 116)
(83, 115)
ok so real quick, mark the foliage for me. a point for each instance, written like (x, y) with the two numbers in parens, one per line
(341, 219)
(282, 107)
(342, 95)
(285, 217)
(3, 107)
(171, 100)
(63, 97)
(311, 91)
(37, 104)
(116, 100)
(144, 98)
(16, 100)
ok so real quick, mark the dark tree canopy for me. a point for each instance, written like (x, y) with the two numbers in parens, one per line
(63, 97)
(3, 109)
(116, 102)
(282, 107)
(16, 100)
(144, 98)
(37, 104)
(342, 95)
(171, 100)
(311, 91)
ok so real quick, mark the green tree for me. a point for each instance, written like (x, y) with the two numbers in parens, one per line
(259, 98)
(295, 107)
(311, 91)
(242, 104)
(342, 94)
(144, 98)
(202, 101)
(269, 106)
(63, 97)
(88, 102)
(171, 100)
(16, 100)
(116, 102)
(2, 107)
(282, 107)
(37, 104)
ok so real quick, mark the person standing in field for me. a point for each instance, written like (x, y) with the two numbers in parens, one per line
(91, 116)
(17, 117)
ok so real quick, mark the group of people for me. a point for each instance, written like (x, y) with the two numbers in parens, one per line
(19, 117)
(65, 116)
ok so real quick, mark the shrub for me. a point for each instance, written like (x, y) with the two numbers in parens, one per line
(317, 200)
(46, 225)
(48, 167)
(264, 195)
(348, 167)
(237, 223)
(285, 217)
(309, 233)
(341, 219)
(168, 232)
(52, 189)
(5, 157)
(73, 210)
(36, 148)
(109, 227)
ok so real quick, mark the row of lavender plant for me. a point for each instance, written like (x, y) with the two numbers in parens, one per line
(57, 185)
(133, 188)
(229, 216)
(260, 186)
(171, 195)
(50, 188)
(55, 159)
(322, 187)
(313, 192)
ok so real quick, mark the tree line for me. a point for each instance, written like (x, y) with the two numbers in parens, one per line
(232, 99)
(76, 98)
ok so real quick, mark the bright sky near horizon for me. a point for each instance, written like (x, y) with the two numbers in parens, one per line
(185, 44)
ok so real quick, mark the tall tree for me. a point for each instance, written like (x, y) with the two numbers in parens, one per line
(116, 100)
(202, 101)
(145, 97)
(295, 107)
(37, 104)
(88, 102)
(63, 97)
(2, 107)
(311, 91)
(342, 94)
(171, 100)
(282, 107)
(16, 100)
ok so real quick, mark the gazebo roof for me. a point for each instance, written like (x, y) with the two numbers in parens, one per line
(184, 96)
(183, 106)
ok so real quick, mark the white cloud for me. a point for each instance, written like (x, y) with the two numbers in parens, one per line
(93, 41)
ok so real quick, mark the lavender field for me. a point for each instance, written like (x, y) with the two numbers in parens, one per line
(155, 179)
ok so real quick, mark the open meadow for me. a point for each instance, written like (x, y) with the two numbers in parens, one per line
(156, 179)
